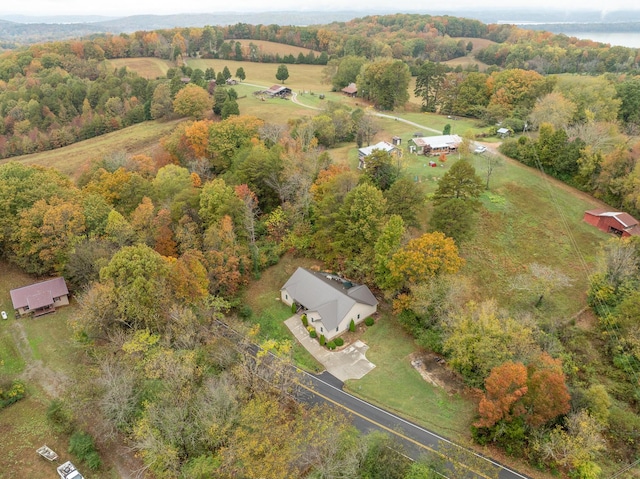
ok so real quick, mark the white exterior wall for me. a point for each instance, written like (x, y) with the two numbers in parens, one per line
(286, 297)
(363, 310)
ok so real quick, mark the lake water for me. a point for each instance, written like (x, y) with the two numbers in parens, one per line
(631, 39)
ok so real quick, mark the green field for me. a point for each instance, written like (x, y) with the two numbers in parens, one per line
(396, 385)
(141, 138)
(41, 353)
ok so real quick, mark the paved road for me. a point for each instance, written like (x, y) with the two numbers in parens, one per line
(417, 440)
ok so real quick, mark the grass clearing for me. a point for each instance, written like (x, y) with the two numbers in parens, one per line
(48, 348)
(301, 77)
(147, 67)
(137, 139)
(275, 48)
(263, 297)
(395, 384)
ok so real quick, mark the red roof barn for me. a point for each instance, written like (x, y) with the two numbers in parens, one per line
(621, 224)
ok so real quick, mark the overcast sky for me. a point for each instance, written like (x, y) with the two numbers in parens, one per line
(160, 7)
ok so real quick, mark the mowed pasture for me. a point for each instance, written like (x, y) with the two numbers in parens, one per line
(137, 139)
(147, 67)
(301, 77)
(275, 48)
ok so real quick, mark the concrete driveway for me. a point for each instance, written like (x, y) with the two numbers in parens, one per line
(348, 363)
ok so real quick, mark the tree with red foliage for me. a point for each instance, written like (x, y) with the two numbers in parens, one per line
(537, 392)
(505, 386)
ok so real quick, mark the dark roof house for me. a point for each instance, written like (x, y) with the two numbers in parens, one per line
(329, 301)
(40, 298)
(278, 90)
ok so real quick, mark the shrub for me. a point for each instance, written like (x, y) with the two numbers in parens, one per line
(369, 321)
(11, 394)
(323, 341)
(294, 308)
(245, 311)
(339, 341)
(305, 321)
(60, 417)
(352, 326)
(81, 444)
(312, 332)
(331, 345)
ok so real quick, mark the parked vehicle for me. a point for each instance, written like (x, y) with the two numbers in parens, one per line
(46, 452)
(480, 149)
(69, 471)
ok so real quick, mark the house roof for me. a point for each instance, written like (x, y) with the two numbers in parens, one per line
(275, 89)
(330, 295)
(39, 294)
(351, 89)
(383, 145)
(503, 131)
(441, 141)
(625, 219)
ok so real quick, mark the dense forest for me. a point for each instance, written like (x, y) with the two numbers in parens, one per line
(160, 247)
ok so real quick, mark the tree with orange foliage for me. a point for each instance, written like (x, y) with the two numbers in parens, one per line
(163, 235)
(197, 136)
(538, 393)
(505, 387)
(188, 277)
(547, 396)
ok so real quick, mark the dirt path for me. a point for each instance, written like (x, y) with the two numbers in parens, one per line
(54, 383)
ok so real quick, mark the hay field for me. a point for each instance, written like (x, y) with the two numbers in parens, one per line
(149, 68)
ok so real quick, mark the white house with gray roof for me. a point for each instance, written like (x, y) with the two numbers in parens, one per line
(330, 302)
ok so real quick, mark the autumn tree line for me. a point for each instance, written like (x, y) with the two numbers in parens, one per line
(159, 249)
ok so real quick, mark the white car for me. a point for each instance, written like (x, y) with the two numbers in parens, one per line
(480, 149)
(68, 471)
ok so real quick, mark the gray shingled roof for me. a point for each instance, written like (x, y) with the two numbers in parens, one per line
(327, 294)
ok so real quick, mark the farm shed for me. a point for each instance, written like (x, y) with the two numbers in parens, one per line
(278, 91)
(350, 90)
(40, 298)
(621, 224)
(329, 301)
(435, 145)
(367, 150)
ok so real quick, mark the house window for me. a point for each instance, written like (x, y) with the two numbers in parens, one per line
(358, 316)
(286, 296)
(338, 328)
(321, 330)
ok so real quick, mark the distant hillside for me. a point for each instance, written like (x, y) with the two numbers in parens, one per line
(28, 33)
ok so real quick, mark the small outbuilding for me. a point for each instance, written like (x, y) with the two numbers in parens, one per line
(350, 90)
(40, 298)
(618, 223)
(329, 301)
(503, 132)
(382, 145)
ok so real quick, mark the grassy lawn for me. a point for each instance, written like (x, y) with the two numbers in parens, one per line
(48, 348)
(150, 68)
(395, 384)
(137, 139)
(301, 77)
(263, 296)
